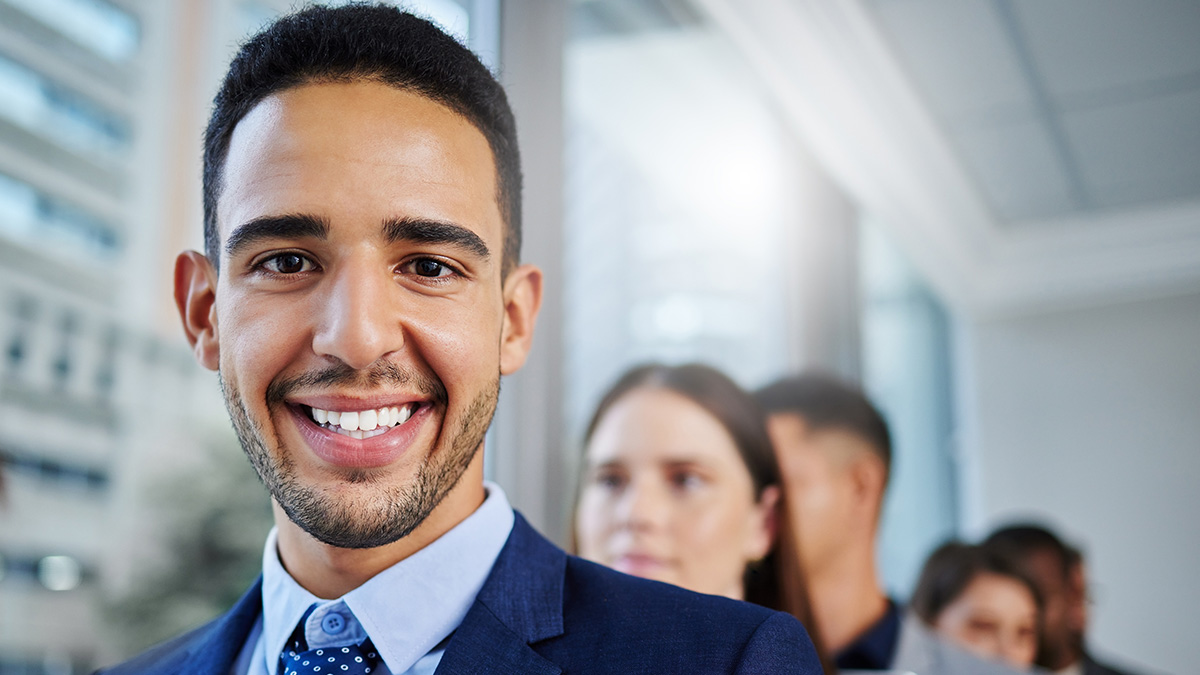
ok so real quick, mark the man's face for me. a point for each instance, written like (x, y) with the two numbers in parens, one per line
(1055, 644)
(359, 323)
(818, 485)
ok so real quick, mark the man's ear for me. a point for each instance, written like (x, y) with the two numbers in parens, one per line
(522, 300)
(763, 531)
(869, 479)
(196, 299)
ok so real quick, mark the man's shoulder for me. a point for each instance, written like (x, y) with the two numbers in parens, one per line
(163, 657)
(208, 648)
(611, 618)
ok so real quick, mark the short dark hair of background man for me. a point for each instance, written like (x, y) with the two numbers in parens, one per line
(1058, 570)
(835, 453)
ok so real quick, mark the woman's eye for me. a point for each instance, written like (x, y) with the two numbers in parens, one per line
(610, 481)
(685, 480)
(429, 268)
(287, 263)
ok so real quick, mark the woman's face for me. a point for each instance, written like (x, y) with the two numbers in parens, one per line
(994, 617)
(666, 496)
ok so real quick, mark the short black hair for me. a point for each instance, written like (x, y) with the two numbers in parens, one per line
(952, 567)
(826, 402)
(1023, 540)
(365, 42)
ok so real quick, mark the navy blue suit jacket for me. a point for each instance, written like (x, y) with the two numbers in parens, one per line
(543, 612)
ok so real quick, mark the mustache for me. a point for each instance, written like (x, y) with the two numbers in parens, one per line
(381, 374)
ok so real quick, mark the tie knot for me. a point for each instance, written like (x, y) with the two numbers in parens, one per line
(360, 659)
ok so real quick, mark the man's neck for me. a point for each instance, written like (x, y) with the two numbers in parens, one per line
(847, 599)
(330, 572)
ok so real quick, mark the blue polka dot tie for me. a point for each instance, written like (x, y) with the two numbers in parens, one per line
(297, 659)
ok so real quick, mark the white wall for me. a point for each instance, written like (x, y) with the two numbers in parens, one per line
(1090, 419)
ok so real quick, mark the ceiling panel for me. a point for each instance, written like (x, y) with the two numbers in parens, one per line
(1015, 167)
(1144, 150)
(956, 54)
(1081, 46)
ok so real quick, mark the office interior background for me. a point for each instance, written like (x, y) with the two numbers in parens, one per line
(985, 211)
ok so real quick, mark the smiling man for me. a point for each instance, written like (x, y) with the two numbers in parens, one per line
(360, 297)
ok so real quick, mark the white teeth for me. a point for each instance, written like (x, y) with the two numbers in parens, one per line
(368, 420)
(364, 423)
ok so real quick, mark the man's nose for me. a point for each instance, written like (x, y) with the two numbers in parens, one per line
(357, 318)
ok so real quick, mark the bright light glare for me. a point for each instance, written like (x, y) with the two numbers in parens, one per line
(59, 572)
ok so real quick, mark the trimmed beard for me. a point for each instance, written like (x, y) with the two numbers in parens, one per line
(392, 512)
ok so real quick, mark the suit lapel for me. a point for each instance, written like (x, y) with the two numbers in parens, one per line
(520, 603)
(483, 644)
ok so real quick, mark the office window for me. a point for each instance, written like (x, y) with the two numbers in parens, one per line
(52, 111)
(101, 27)
(677, 202)
(47, 223)
(906, 371)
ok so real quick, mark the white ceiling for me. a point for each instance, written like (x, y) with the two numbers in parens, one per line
(1028, 155)
(1058, 107)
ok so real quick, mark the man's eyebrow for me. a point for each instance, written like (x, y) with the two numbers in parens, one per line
(290, 226)
(434, 232)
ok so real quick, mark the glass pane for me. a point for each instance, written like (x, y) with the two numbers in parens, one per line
(42, 106)
(96, 25)
(677, 199)
(906, 370)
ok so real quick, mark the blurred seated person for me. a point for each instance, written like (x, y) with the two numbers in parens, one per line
(1059, 572)
(835, 453)
(681, 485)
(978, 599)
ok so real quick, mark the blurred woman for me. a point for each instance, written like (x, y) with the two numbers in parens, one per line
(681, 485)
(978, 599)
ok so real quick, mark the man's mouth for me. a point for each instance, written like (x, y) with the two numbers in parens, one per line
(362, 424)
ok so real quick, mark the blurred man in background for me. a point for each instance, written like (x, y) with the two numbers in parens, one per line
(1060, 574)
(835, 453)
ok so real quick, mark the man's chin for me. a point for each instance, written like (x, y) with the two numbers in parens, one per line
(357, 507)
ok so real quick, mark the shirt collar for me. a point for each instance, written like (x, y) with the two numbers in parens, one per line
(875, 648)
(410, 607)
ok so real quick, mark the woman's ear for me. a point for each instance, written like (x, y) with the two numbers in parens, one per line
(522, 300)
(765, 525)
(196, 299)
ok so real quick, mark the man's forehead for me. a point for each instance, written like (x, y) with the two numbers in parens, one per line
(295, 141)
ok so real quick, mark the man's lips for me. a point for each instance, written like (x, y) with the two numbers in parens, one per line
(359, 433)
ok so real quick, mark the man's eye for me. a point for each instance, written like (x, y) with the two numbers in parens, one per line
(429, 268)
(287, 263)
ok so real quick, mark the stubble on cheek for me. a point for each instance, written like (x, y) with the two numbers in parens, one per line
(375, 513)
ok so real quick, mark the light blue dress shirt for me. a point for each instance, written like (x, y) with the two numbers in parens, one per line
(408, 610)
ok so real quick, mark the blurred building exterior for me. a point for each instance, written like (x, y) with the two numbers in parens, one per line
(95, 403)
